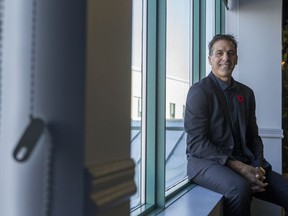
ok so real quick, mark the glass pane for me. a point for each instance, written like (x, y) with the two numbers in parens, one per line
(136, 102)
(178, 68)
(210, 28)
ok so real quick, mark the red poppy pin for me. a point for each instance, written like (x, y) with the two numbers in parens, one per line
(240, 98)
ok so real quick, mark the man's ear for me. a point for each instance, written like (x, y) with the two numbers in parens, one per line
(209, 59)
(236, 60)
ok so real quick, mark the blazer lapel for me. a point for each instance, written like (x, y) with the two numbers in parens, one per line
(221, 97)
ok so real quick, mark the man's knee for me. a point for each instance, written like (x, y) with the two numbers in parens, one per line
(240, 195)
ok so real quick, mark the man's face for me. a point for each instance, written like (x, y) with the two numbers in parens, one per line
(223, 59)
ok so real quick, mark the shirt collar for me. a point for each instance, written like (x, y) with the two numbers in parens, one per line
(223, 85)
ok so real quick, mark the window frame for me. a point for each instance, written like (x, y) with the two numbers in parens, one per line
(154, 104)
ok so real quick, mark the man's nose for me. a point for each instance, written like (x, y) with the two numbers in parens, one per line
(225, 56)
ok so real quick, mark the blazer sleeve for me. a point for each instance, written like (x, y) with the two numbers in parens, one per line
(196, 124)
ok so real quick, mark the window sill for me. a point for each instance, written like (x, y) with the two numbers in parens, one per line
(198, 201)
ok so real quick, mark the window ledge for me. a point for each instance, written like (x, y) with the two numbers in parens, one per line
(198, 201)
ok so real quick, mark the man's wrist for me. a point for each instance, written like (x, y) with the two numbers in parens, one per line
(236, 165)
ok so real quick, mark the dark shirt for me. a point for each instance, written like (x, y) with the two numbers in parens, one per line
(230, 95)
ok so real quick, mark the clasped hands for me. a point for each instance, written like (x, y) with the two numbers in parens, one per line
(256, 178)
(254, 175)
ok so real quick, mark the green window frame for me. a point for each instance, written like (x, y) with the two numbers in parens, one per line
(155, 55)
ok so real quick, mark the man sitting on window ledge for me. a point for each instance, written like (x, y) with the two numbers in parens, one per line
(224, 150)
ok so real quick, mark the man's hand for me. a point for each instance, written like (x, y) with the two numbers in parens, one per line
(256, 178)
(254, 175)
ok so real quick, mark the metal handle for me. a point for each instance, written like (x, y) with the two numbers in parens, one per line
(28, 140)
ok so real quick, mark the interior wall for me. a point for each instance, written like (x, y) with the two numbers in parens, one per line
(257, 26)
(108, 107)
(108, 81)
(259, 64)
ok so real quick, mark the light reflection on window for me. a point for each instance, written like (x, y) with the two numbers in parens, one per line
(178, 68)
(136, 102)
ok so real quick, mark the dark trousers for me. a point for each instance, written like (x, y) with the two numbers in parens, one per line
(237, 191)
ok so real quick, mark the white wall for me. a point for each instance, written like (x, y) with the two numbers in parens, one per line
(257, 26)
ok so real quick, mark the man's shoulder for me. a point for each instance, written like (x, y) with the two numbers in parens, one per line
(243, 87)
(204, 82)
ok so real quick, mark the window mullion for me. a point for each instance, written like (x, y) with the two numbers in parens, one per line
(161, 108)
(151, 53)
(203, 55)
(199, 43)
(220, 17)
(155, 119)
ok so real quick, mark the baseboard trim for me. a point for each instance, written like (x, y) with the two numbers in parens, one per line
(271, 133)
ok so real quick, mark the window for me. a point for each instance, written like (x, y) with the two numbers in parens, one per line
(210, 27)
(169, 40)
(179, 47)
(138, 76)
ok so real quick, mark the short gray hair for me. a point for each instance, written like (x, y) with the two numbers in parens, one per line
(218, 37)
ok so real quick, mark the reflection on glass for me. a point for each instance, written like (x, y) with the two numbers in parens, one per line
(178, 68)
(136, 101)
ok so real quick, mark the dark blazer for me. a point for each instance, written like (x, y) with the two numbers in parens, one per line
(208, 126)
